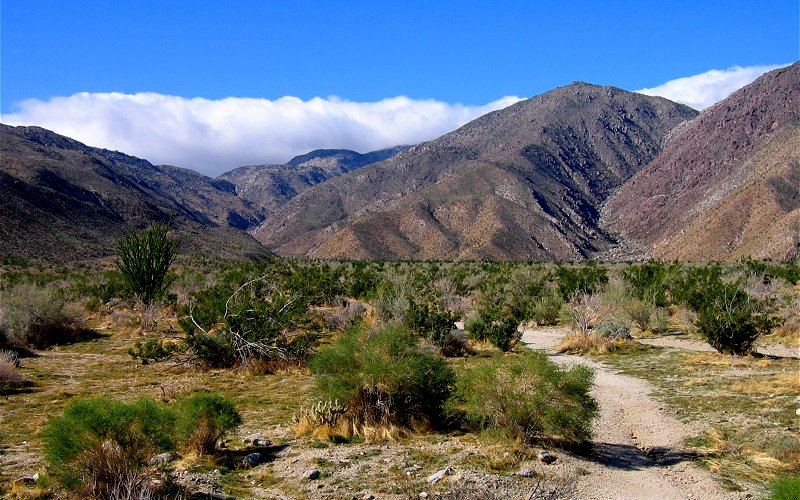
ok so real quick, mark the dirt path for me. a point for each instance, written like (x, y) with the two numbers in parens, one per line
(638, 443)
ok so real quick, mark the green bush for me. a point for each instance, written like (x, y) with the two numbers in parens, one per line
(205, 418)
(546, 307)
(734, 321)
(100, 447)
(494, 325)
(651, 281)
(253, 322)
(727, 317)
(99, 443)
(383, 378)
(144, 261)
(432, 322)
(580, 280)
(786, 488)
(529, 398)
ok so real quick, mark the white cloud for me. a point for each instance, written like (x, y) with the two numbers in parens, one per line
(212, 136)
(703, 90)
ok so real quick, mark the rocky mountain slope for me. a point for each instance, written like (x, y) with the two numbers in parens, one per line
(524, 182)
(64, 200)
(727, 184)
(266, 187)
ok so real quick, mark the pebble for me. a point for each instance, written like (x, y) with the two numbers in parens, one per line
(252, 460)
(312, 474)
(545, 457)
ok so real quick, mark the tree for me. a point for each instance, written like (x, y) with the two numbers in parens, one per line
(144, 261)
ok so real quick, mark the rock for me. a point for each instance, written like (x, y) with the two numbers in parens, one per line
(162, 459)
(27, 480)
(368, 496)
(412, 469)
(261, 442)
(525, 473)
(438, 476)
(546, 458)
(424, 494)
(252, 460)
(254, 438)
(312, 474)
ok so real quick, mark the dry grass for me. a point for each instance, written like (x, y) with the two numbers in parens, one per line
(742, 453)
(10, 376)
(102, 366)
(592, 343)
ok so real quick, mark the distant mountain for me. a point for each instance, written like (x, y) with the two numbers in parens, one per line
(64, 200)
(266, 187)
(524, 182)
(727, 184)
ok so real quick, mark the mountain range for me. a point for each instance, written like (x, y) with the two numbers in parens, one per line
(582, 171)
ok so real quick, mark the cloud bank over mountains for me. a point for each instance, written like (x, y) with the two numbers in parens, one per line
(703, 90)
(213, 136)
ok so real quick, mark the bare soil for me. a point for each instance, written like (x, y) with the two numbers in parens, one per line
(638, 447)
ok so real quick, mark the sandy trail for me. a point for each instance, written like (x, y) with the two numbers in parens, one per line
(638, 443)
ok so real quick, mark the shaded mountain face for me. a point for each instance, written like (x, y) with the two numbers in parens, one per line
(64, 200)
(264, 188)
(727, 184)
(519, 183)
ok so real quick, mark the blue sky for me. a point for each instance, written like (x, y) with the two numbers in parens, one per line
(444, 54)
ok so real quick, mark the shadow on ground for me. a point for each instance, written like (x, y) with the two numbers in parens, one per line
(628, 457)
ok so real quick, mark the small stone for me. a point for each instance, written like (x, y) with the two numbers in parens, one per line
(162, 459)
(525, 473)
(368, 496)
(312, 474)
(546, 458)
(252, 460)
(424, 494)
(261, 442)
(28, 480)
(438, 476)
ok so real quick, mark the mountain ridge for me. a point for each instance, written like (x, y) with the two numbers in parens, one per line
(570, 147)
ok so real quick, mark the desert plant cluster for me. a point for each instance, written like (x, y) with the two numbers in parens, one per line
(380, 351)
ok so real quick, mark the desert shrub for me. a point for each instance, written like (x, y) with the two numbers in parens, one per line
(10, 377)
(546, 307)
(496, 323)
(152, 350)
(383, 378)
(788, 271)
(431, 321)
(100, 448)
(651, 281)
(204, 419)
(529, 398)
(727, 317)
(361, 281)
(582, 312)
(257, 321)
(98, 444)
(733, 321)
(613, 327)
(37, 316)
(581, 280)
(144, 261)
(318, 283)
(645, 315)
(393, 297)
(785, 488)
